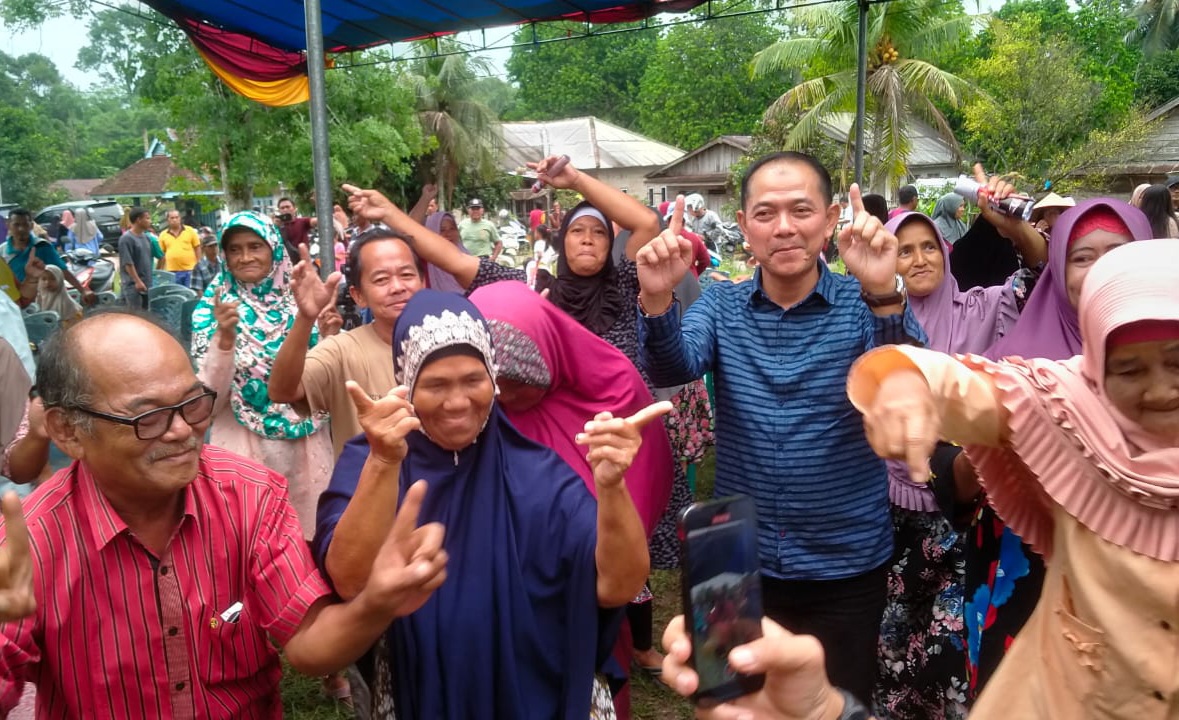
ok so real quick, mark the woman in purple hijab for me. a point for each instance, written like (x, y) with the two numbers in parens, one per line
(1048, 327)
(444, 224)
(922, 651)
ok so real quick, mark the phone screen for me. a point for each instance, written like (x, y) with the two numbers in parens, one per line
(724, 594)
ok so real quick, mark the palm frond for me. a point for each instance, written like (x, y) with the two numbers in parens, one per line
(934, 36)
(810, 124)
(790, 54)
(918, 76)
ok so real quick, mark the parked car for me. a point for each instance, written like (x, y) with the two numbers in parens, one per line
(105, 214)
(5, 208)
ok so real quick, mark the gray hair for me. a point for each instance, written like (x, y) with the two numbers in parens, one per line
(62, 380)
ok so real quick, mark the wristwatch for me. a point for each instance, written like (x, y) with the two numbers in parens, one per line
(853, 709)
(897, 297)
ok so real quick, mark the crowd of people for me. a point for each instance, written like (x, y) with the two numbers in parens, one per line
(962, 454)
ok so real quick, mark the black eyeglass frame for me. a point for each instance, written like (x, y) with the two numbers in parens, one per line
(135, 421)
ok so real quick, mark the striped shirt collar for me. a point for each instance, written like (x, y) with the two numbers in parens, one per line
(825, 289)
(103, 523)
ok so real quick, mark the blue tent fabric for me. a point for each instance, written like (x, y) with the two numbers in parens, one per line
(355, 24)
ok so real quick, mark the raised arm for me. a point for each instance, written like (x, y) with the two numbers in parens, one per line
(312, 296)
(621, 553)
(418, 211)
(1028, 241)
(613, 203)
(912, 397)
(430, 246)
(408, 565)
(368, 517)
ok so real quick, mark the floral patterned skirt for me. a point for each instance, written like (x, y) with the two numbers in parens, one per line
(690, 430)
(922, 650)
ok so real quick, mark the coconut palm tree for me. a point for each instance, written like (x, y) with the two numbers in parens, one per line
(901, 85)
(1158, 26)
(464, 128)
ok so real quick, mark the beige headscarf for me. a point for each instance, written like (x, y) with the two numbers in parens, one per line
(1136, 196)
(59, 301)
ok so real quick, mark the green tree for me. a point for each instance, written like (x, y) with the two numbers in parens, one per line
(124, 46)
(1158, 79)
(1096, 28)
(1039, 101)
(28, 158)
(691, 91)
(598, 75)
(902, 83)
(462, 129)
(1155, 26)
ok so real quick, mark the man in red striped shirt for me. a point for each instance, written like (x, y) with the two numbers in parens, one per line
(148, 579)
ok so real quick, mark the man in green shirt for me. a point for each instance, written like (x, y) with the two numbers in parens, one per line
(480, 237)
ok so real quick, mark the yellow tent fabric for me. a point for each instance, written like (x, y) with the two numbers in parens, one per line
(277, 93)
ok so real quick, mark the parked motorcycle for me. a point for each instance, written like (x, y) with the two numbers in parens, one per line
(514, 237)
(94, 272)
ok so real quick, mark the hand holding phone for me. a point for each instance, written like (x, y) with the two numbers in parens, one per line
(721, 586)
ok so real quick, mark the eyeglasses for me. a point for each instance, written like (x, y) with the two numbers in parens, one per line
(154, 423)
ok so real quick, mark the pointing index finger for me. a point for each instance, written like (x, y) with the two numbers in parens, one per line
(649, 413)
(350, 189)
(855, 199)
(677, 217)
(980, 175)
(406, 520)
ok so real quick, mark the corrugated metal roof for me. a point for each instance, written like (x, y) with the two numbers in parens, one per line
(589, 142)
(927, 147)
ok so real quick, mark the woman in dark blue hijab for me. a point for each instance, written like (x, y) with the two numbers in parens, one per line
(529, 608)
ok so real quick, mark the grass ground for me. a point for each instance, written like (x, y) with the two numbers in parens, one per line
(650, 700)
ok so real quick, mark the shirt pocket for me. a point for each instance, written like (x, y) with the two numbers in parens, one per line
(228, 652)
(1078, 652)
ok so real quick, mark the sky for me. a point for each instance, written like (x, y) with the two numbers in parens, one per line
(60, 38)
(54, 40)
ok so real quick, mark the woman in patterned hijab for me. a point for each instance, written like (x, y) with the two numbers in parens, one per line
(238, 327)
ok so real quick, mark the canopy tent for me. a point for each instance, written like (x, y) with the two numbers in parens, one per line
(261, 49)
(357, 24)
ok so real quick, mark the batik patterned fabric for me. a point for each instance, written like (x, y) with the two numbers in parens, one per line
(267, 311)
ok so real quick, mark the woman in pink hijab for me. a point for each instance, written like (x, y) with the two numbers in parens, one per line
(553, 374)
(1081, 458)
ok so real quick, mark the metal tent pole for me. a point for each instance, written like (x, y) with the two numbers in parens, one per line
(861, 90)
(320, 151)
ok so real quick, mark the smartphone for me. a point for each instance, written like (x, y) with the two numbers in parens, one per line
(721, 586)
